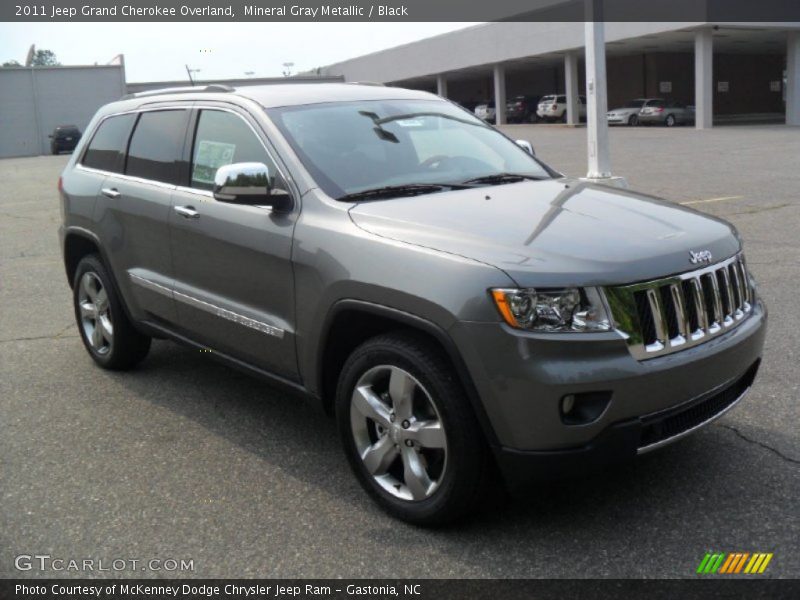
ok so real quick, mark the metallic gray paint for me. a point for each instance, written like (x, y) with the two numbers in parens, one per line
(433, 257)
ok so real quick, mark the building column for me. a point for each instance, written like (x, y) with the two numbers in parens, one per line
(441, 85)
(571, 87)
(597, 101)
(793, 79)
(500, 95)
(704, 79)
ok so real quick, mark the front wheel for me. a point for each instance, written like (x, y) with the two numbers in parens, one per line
(106, 332)
(633, 121)
(409, 432)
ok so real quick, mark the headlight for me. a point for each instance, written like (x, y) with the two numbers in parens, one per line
(556, 310)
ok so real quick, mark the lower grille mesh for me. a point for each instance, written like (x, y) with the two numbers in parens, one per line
(664, 427)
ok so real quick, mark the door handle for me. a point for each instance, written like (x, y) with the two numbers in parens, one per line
(188, 212)
(110, 192)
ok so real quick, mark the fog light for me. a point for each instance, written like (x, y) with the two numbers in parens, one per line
(584, 408)
(567, 404)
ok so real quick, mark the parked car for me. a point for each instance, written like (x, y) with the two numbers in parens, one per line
(522, 109)
(64, 137)
(461, 308)
(628, 114)
(665, 112)
(486, 111)
(554, 108)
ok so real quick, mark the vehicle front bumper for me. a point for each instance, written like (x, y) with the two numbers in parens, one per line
(521, 379)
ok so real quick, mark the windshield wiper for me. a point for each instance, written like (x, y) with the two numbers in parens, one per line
(408, 189)
(497, 178)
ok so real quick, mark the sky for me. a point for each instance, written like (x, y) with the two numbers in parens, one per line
(160, 51)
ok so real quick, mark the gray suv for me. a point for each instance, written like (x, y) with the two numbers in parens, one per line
(469, 315)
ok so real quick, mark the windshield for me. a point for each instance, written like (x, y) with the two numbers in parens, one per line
(634, 104)
(350, 147)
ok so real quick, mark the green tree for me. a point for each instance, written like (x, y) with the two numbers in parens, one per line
(10, 64)
(45, 58)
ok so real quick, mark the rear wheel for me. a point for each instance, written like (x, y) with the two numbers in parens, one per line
(564, 117)
(106, 332)
(670, 121)
(633, 121)
(409, 433)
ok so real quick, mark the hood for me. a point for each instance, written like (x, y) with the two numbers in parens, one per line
(555, 232)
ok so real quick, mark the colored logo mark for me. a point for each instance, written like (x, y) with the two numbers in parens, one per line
(734, 562)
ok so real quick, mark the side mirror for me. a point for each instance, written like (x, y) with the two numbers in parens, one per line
(526, 145)
(250, 183)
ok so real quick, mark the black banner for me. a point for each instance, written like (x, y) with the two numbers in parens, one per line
(711, 11)
(751, 588)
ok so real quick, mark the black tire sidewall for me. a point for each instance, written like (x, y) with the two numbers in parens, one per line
(464, 450)
(129, 346)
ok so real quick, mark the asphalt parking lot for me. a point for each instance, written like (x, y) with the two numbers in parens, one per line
(186, 459)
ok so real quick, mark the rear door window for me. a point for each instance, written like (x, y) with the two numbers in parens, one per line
(107, 148)
(156, 146)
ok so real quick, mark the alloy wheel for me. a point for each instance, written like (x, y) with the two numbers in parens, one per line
(95, 313)
(398, 433)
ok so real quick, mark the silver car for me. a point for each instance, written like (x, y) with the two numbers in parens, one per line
(461, 308)
(628, 114)
(657, 111)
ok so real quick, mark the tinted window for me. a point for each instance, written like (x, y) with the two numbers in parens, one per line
(157, 145)
(223, 138)
(354, 146)
(108, 144)
(561, 99)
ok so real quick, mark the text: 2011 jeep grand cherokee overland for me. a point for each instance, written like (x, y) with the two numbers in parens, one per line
(456, 303)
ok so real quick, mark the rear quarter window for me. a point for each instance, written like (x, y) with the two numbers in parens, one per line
(106, 150)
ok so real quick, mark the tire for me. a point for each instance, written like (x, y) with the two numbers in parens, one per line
(115, 344)
(670, 121)
(633, 121)
(564, 117)
(453, 461)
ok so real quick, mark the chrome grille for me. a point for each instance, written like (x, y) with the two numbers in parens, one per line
(666, 315)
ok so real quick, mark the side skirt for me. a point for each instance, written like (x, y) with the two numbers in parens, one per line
(160, 331)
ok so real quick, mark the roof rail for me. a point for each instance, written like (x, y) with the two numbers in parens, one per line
(213, 87)
(374, 83)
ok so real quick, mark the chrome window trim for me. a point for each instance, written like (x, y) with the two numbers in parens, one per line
(208, 307)
(131, 178)
(189, 106)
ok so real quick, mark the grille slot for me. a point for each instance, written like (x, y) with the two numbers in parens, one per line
(685, 310)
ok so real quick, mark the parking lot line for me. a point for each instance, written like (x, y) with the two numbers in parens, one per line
(720, 199)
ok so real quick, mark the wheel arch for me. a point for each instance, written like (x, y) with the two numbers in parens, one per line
(351, 322)
(78, 243)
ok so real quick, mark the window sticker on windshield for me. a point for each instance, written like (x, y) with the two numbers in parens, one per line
(411, 123)
(211, 156)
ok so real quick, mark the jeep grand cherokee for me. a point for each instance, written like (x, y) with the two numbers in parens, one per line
(459, 306)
